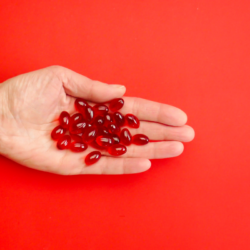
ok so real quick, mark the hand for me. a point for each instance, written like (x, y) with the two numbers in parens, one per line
(30, 104)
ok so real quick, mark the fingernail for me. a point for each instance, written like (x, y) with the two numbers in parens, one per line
(117, 86)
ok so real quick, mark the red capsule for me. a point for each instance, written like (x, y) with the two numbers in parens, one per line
(64, 119)
(101, 109)
(104, 141)
(132, 121)
(119, 119)
(89, 114)
(78, 117)
(126, 137)
(58, 132)
(78, 146)
(109, 119)
(90, 134)
(116, 104)
(96, 146)
(76, 138)
(78, 128)
(116, 139)
(140, 139)
(114, 129)
(64, 142)
(98, 121)
(80, 105)
(117, 149)
(102, 131)
(92, 157)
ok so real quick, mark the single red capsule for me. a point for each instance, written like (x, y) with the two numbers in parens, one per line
(126, 137)
(104, 141)
(132, 121)
(102, 131)
(96, 146)
(64, 119)
(64, 142)
(116, 139)
(92, 157)
(114, 129)
(119, 119)
(78, 117)
(89, 114)
(78, 146)
(58, 132)
(98, 121)
(117, 149)
(90, 134)
(109, 119)
(76, 138)
(80, 105)
(101, 109)
(140, 139)
(116, 104)
(78, 128)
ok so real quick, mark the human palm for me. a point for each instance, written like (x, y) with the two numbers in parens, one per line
(32, 102)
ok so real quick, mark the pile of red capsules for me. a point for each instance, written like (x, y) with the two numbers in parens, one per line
(96, 127)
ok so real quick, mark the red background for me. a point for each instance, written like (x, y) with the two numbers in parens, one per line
(191, 54)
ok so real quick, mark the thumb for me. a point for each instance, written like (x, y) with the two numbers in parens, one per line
(78, 85)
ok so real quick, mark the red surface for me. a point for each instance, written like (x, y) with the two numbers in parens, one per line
(192, 54)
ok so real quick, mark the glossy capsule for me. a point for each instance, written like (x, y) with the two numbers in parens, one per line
(89, 114)
(125, 137)
(116, 138)
(92, 157)
(104, 141)
(64, 142)
(58, 132)
(96, 146)
(140, 139)
(101, 109)
(78, 117)
(109, 119)
(76, 138)
(78, 146)
(116, 104)
(114, 129)
(117, 149)
(102, 131)
(90, 134)
(64, 119)
(132, 121)
(98, 121)
(80, 105)
(119, 119)
(78, 128)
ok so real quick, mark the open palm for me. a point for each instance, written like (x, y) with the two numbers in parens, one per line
(32, 102)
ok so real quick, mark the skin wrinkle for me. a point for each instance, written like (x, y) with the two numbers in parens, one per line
(134, 106)
(90, 91)
(17, 121)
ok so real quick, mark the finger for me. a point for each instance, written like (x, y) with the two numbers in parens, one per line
(78, 85)
(155, 150)
(154, 111)
(111, 165)
(156, 131)
(66, 162)
(73, 163)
